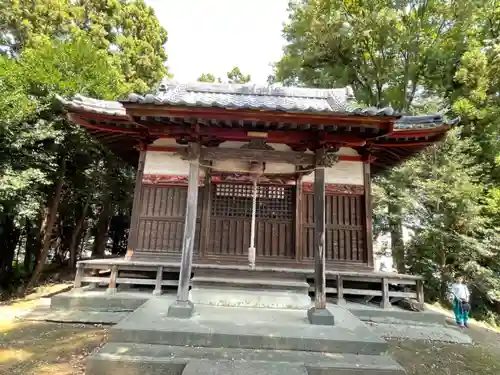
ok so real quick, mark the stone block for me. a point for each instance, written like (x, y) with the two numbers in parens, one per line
(181, 310)
(323, 317)
(225, 367)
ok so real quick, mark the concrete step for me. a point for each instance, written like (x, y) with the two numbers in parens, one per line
(134, 359)
(246, 328)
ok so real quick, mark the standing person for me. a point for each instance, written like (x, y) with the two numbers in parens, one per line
(461, 307)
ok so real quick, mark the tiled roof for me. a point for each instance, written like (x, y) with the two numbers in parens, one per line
(248, 96)
(423, 122)
(104, 107)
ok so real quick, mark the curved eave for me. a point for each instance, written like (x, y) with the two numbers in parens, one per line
(392, 150)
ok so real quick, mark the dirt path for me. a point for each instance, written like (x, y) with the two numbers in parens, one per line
(47, 349)
(426, 358)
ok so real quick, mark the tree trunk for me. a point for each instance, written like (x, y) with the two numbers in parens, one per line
(76, 235)
(396, 230)
(101, 234)
(49, 225)
(33, 243)
(9, 236)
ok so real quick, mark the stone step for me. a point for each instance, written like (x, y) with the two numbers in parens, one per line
(249, 274)
(47, 314)
(97, 300)
(133, 359)
(251, 283)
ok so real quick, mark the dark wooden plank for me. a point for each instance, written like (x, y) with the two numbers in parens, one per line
(205, 214)
(319, 238)
(190, 225)
(136, 206)
(298, 220)
(368, 212)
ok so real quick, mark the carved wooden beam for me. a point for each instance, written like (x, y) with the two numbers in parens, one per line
(249, 155)
(193, 151)
(326, 157)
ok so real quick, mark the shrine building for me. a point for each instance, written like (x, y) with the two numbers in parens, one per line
(248, 177)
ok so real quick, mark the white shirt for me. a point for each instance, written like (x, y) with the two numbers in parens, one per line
(460, 291)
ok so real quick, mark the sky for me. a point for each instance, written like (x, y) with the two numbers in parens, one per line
(214, 36)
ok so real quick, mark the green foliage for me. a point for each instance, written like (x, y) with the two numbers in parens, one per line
(420, 57)
(207, 77)
(234, 76)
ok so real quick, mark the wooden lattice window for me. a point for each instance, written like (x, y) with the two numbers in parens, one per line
(235, 200)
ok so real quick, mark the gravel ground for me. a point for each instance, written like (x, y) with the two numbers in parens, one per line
(421, 332)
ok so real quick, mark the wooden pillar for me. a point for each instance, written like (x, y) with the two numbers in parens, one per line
(183, 308)
(368, 210)
(136, 205)
(319, 314)
(319, 238)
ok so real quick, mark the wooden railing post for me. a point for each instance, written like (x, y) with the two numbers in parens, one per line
(385, 294)
(420, 292)
(112, 280)
(79, 275)
(340, 291)
(159, 280)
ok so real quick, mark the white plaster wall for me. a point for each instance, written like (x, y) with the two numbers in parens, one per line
(165, 163)
(344, 172)
(168, 163)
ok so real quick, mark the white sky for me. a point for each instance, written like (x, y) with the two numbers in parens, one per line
(214, 36)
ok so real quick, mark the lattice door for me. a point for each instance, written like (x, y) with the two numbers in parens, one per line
(231, 219)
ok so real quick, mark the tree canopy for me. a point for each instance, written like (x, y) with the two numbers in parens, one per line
(58, 186)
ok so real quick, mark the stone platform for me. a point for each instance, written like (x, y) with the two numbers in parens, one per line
(229, 340)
